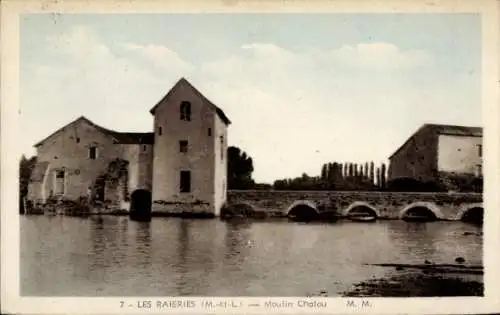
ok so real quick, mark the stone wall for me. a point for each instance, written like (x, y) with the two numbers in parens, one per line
(459, 154)
(68, 150)
(417, 157)
(389, 205)
(201, 134)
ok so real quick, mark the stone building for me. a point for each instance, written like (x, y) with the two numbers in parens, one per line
(448, 155)
(181, 166)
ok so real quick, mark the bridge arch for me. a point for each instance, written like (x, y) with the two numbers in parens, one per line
(471, 212)
(422, 207)
(366, 207)
(303, 210)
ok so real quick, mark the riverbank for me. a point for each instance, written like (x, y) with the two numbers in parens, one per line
(419, 284)
(427, 280)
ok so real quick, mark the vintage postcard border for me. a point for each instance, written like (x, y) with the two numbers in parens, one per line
(12, 302)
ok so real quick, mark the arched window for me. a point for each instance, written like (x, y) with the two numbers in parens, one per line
(185, 111)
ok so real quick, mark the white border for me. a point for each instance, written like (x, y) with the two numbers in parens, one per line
(10, 9)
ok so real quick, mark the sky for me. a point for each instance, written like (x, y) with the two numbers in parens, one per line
(300, 89)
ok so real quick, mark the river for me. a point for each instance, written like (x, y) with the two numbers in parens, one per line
(113, 256)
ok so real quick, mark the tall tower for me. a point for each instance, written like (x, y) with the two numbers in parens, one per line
(190, 152)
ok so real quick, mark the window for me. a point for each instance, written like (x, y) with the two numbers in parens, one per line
(480, 150)
(93, 153)
(183, 146)
(479, 170)
(209, 132)
(221, 148)
(59, 183)
(77, 140)
(185, 111)
(144, 148)
(159, 130)
(185, 183)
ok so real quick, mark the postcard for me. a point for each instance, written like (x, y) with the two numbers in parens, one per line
(250, 157)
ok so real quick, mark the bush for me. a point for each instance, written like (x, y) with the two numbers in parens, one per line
(406, 184)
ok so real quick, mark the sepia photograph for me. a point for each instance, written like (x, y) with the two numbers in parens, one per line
(300, 156)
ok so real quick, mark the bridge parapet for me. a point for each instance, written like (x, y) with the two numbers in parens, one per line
(390, 205)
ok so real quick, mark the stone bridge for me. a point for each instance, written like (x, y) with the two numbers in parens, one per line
(349, 204)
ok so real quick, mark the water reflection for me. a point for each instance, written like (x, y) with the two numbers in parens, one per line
(437, 242)
(417, 239)
(237, 241)
(181, 266)
(124, 224)
(194, 257)
(113, 256)
(143, 244)
(98, 239)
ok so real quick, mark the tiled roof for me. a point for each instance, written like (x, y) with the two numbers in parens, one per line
(135, 137)
(127, 137)
(219, 111)
(120, 137)
(456, 130)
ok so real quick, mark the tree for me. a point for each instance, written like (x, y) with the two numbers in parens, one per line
(382, 176)
(351, 170)
(239, 169)
(324, 172)
(26, 167)
(337, 172)
(366, 172)
(372, 175)
(331, 170)
(378, 177)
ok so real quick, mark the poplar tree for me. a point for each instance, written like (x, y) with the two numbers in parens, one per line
(335, 171)
(331, 169)
(378, 177)
(372, 175)
(383, 176)
(324, 172)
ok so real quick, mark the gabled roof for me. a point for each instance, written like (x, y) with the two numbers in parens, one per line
(182, 81)
(439, 129)
(120, 137)
(456, 130)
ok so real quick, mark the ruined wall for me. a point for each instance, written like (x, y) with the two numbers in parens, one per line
(140, 167)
